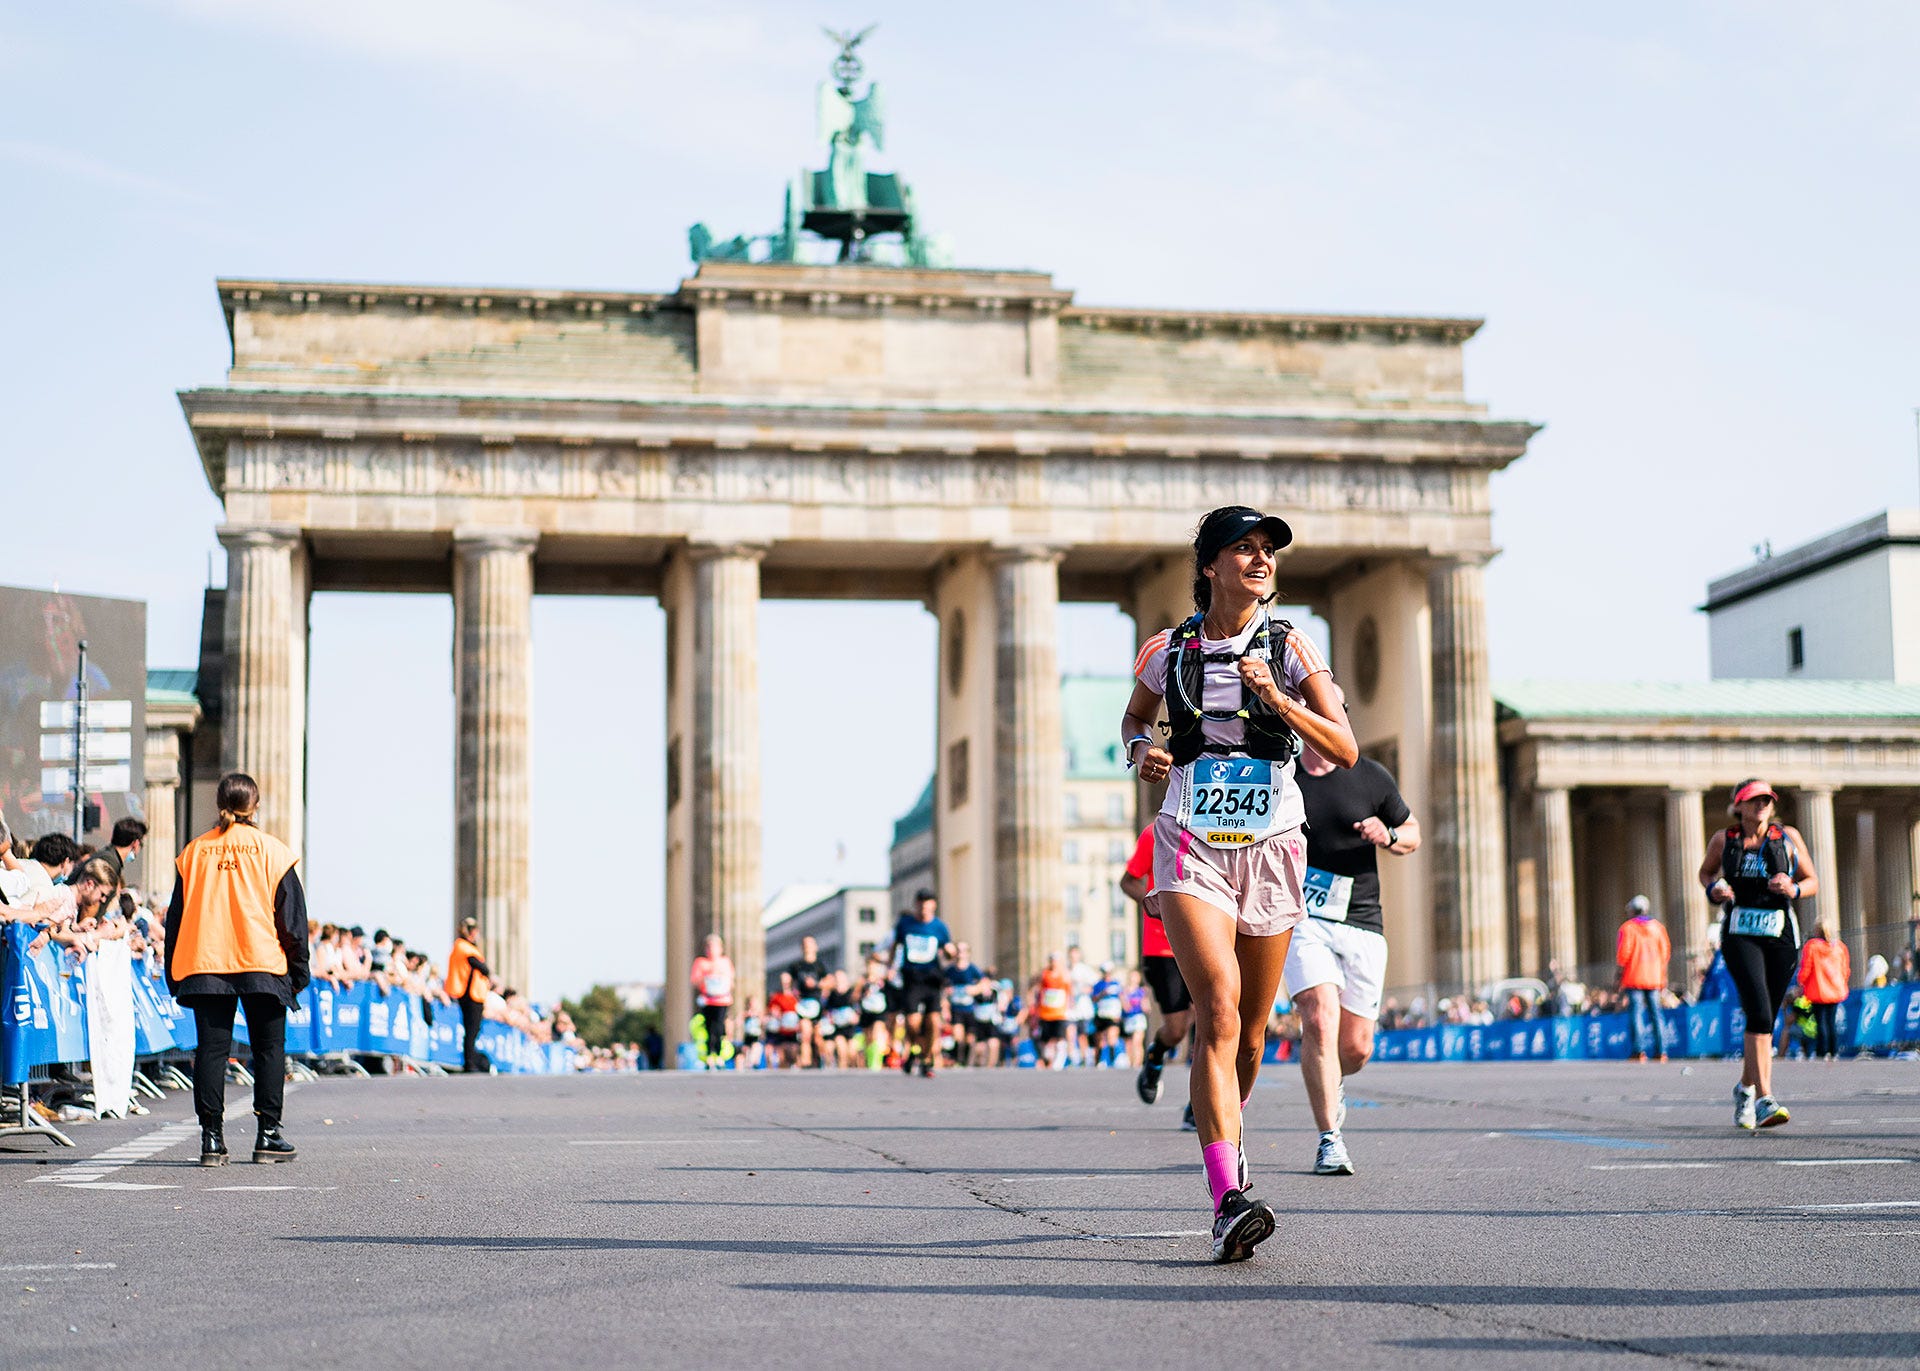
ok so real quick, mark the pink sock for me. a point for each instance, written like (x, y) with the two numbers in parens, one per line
(1222, 1160)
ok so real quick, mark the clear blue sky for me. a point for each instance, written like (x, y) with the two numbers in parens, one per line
(1690, 227)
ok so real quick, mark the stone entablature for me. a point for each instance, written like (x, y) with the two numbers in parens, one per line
(1710, 753)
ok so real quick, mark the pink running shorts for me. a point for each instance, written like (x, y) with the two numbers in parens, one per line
(1259, 884)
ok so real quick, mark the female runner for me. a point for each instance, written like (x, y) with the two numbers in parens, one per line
(1241, 691)
(1758, 868)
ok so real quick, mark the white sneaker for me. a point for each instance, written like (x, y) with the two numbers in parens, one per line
(1743, 1107)
(1332, 1159)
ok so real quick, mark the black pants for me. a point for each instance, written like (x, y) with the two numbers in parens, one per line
(472, 1014)
(266, 1031)
(1826, 1037)
(1762, 969)
(716, 1020)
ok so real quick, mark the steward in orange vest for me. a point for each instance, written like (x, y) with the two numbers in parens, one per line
(237, 937)
(467, 986)
(237, 924)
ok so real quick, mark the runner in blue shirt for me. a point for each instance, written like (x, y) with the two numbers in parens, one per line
(1107, 994)
(963, 985)
(920, 943)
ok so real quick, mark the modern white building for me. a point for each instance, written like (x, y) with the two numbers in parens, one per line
(1844, 607)
(848, 922)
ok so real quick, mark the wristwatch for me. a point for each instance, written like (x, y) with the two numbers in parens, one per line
(1393, 837)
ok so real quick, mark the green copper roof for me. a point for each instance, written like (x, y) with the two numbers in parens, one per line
(1090, 710)
(173, 686)
(1734, 699)
(916, 820)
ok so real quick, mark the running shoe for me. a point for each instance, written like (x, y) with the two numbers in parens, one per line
(1186, 1121)
(907, 1061)
(1148, 1083)
(1769, 1113)
(1332, 1159)
(1241, 1225)
(1743, 1107)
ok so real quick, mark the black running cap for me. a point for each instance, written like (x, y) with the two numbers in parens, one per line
(1226, 526)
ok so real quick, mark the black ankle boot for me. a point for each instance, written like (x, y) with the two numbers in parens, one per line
(272, 1146)
(213, 1146)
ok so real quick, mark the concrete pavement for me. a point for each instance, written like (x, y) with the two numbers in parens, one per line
(1586, 1213)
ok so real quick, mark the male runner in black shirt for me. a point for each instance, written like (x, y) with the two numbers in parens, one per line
(810, 986)
(1338, 961)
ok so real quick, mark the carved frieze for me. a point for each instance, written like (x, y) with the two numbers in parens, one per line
(782, 475)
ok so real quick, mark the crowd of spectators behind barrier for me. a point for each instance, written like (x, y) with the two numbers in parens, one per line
(74, 894)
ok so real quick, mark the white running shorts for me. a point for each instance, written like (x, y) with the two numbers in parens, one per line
(1328, 953)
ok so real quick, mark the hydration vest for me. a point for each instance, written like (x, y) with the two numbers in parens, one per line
(1268, 736)
(1776, 858)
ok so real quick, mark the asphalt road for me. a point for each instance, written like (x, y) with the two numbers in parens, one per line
(1601, 1214)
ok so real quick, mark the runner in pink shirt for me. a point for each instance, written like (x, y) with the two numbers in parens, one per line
(713, 993)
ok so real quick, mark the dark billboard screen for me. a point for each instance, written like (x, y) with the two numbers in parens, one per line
(40, 636)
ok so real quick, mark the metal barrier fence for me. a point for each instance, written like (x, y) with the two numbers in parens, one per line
(1876, 1019)
(44, 1022)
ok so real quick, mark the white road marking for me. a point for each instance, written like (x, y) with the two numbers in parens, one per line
(660, 1142)
(1169, 1233)
(115, 1185)
(1851, 1161)
(1763, 1161)
(1842, 1123)
(62, 1266)
(1065, 1176)
(82, 1174)
(1861, 1204)
(230, 1188)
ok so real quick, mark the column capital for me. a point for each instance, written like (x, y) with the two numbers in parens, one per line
(239, 537)
(999, 553)
(708, 550)
(479, 540)
(1468, 559)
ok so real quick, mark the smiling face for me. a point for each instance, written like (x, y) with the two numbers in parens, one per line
(1244, 568)
(1756, 812)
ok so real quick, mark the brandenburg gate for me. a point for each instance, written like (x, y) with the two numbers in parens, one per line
(974, 440)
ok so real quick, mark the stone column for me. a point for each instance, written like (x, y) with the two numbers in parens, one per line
(722, 757)
(1029, 762)
(1607, 906)
(1911, 913)
(1644, 873)
(162, 843)
(1469, 867)
(1553, 825)
(1814, 805)
(1686, 904)
(493, 685)
(1893, 900)
(1854, 918)
(263, 722)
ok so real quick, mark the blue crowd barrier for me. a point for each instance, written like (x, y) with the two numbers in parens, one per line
(1875, 1019)
(43, 1020)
